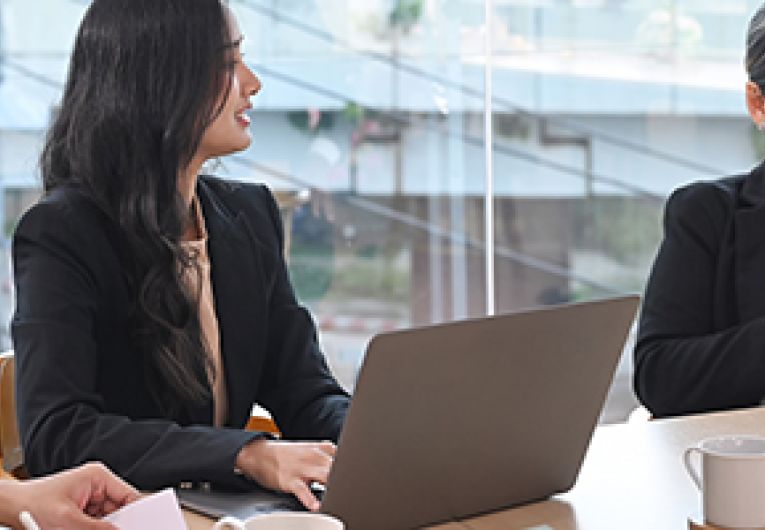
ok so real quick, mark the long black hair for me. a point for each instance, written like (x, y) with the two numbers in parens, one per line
(145, 80)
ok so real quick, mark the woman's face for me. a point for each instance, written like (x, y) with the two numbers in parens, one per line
(230, 130)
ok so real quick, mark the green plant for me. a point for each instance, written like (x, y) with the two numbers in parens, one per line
(405, 14)
(354, 112)
(301, 120)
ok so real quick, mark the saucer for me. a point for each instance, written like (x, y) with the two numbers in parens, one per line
(692, 525)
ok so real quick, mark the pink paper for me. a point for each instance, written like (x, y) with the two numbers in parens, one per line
(155, 512)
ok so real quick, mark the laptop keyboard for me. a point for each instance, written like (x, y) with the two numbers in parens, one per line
(241, 505)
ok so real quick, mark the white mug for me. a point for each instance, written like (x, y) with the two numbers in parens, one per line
(732, 480)
(282, 521)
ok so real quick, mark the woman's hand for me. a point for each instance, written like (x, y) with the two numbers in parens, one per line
(72, 500)
(288, 466)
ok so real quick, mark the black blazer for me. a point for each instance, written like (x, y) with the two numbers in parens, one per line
(81, 390)
(701, 341)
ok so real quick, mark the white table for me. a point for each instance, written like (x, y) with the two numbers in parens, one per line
(632, 479)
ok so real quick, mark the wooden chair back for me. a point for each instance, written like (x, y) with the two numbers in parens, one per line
(10, 445)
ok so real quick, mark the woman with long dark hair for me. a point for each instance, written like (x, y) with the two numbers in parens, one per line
(153, 304)
(701, 341)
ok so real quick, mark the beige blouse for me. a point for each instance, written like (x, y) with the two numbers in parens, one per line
(198, 281)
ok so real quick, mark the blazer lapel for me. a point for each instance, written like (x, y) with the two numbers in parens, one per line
(241, 307)
(750, 247)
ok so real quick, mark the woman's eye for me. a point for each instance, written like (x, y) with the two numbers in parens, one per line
(234, 62)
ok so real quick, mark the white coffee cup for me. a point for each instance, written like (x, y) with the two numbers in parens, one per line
(732, 480)
(282, 521)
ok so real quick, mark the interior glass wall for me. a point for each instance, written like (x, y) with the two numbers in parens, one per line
(369, 129)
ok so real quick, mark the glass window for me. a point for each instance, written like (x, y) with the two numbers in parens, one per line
(602, 108)
(363, 130)
(369, 129)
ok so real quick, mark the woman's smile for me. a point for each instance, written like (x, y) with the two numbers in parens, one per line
(243, 117)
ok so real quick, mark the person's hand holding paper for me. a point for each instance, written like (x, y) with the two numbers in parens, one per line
(159, 511)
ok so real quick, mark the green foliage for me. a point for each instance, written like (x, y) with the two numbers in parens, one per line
(369, 272)
(301, 120)
(623, 228)
(617, 237)
(405, 14)
(311, 271)
(354, 112)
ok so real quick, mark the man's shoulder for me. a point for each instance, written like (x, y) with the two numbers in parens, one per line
(715, 198)
(727, 190)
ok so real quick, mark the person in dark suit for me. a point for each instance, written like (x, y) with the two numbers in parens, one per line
(701, 339)
(154, 307)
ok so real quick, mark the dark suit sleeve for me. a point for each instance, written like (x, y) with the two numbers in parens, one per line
(61, 412)
(682, 364)
(298, 387)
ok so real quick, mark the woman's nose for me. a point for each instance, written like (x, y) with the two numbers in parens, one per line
(253, 85)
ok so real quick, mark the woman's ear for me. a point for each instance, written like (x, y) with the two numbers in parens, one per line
(755, 103)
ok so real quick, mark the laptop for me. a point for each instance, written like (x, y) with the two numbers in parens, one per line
(458, 419)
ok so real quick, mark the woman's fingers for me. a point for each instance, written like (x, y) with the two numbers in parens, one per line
(289, 466)
(328, 448)
(303, 493)
(315, 474)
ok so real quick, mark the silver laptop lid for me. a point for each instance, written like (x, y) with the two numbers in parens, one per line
(468, 417)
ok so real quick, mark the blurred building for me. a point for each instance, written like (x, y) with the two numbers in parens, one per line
(371, 117)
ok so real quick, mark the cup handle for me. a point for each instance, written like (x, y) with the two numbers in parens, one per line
(687, 459)
(229, 523)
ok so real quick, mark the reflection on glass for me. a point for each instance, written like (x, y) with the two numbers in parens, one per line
(602, 109)
(364, 116)
(370, 130)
